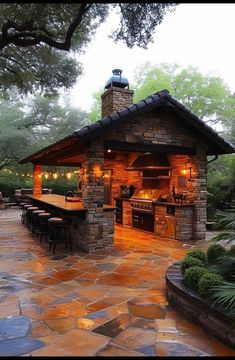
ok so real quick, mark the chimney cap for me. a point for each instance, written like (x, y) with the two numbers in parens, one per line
(117, 80)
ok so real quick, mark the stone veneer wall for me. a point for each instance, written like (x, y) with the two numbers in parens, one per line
(212, 318)
(119, 174)
(160, 128)
(116, 99)
(98, 227)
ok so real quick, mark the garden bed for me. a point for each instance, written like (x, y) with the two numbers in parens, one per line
(214, 319)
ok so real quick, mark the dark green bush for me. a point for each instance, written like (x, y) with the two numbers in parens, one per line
(192, 276)
(214, 251)
(190, 261)
(206, 282)
(232, 250)
(198, 254)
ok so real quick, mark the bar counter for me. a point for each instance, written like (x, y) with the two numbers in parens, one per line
(58, 203)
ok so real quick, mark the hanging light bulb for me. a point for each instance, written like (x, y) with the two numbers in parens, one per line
(68, 175)
(55, 175)
(46, 175)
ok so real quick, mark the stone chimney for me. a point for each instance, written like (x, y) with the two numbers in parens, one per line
(117, 95)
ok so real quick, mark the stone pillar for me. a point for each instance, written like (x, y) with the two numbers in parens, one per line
(98, 227)
(37, 180)
(116, 99)
(200, 188)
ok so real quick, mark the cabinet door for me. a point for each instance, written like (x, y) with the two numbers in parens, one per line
(170, 227)
(119, 212)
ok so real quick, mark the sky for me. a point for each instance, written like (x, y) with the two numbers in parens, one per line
(201, 35)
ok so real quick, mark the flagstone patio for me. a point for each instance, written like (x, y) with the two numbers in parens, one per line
(78, 304)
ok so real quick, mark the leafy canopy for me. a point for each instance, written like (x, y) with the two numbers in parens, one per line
(206, 96)
(35, 38)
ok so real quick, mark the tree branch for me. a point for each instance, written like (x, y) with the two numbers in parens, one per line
(29, 36)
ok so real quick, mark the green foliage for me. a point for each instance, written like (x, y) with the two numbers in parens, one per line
(38, 121)
(225, 220)
(207, 282)
(206, 96)
(224, 295)
(197, 254)
(231, 251)
(225, 265)
(192, 276)
(35, 38)
(214, 251)
(8, 184)
(189, 261)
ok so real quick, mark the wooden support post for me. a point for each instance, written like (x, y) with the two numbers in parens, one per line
(37, 180)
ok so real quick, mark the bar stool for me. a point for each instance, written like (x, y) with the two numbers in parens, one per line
(58, 233)
(34, 220)
(28, 215)
(21, 205)
(23, 214)
(42, 229)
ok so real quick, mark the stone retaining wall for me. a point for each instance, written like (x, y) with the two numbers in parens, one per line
(187, 301)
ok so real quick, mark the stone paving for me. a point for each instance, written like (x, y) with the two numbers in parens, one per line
(78, 304)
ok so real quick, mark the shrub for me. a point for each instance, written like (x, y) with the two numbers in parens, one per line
(198, 254)
(214, 251)
(190, 261)
(206, 282)
(232, 250)
(192, 276)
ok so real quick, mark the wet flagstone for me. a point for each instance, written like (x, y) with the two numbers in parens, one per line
(146, 308)
(79, 304)
(176, 349)
(14, 327)
(16, 347)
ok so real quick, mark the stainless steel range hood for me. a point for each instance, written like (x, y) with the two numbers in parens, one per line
(149, 161)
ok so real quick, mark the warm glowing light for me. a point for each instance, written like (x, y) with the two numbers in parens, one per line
(46, 176)
(68, 175)
(39, 176)
(109, 150)
(55, 175)
(184, 171)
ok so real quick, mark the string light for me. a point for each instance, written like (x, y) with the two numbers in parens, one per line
(46, 174)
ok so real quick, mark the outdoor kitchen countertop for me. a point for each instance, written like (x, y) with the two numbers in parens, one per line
(58, 201)
(173, 203)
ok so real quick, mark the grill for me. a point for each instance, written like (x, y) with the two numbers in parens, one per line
(143, 200)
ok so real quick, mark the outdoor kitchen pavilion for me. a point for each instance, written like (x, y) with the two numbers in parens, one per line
(111, 152)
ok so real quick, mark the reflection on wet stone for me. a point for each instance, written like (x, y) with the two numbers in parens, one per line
(115, 326)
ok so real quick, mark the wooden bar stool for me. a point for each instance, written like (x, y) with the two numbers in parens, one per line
(42, 229)
(34, 220)
(58, 233)
(23, 214)
(28, 215)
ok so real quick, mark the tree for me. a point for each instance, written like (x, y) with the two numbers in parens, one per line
(206, 96)
(13, 138)
(33, 35)
(27, 126)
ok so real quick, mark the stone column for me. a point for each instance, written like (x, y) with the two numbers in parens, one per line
(37, 180)
(96, 229)
(200, 188)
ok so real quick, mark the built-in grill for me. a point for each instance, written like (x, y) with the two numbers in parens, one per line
(142, 204)
(144, 199)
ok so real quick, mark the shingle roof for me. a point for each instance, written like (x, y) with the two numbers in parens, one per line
(220, 145)
(156, 100)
